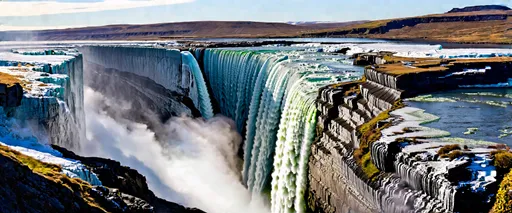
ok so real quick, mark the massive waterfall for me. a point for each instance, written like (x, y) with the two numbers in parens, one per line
(271, 96)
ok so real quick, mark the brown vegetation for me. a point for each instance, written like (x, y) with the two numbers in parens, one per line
(487, 30)
(488, 27)
(448, 148)
(503, 202)
(10, 80)
(401, 66)
(503, 160)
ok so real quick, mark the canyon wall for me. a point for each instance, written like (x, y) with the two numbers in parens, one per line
(42, 103)
(167, 80)
(338, 183)
(53, 103)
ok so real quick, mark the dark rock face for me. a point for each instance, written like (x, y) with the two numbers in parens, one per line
(343, 189)
(10, 96)
(479, 8)
(123, 190)
(413, 84)
(24, 191)
(150, 103)
(132, 185)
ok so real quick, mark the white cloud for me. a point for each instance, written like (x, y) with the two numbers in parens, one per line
(35, 8)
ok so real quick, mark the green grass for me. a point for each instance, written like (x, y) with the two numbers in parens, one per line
(35, 165)
(368, 167)
(370, 134)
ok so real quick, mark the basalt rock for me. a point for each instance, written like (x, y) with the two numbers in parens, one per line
(132, 185)
(22, 190)
(479, 8)
(10, 96)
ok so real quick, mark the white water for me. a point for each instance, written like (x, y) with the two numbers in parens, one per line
(275, 92)
(205, 104)
(195, 164)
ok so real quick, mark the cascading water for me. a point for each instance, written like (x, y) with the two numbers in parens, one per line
(205, 105)
(296, 132)
(275, 92)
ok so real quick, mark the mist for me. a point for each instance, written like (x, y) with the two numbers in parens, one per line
(194, 163)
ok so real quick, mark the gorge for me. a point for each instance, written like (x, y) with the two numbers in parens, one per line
(304, 130)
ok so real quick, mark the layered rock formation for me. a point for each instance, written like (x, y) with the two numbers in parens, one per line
(478, 8)
(348, 187)
(400, 156)
(132, 185)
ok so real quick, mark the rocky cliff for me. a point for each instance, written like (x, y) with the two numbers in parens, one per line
(47, 92)
(352, 186)
(479, 8)
(127, 181)
(32, 186)
(167, 77)
(41, 96)
(379, 151)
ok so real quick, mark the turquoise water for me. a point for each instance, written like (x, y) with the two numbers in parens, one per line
(489, 110)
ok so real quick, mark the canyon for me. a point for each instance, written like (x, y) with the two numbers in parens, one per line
(319, 134)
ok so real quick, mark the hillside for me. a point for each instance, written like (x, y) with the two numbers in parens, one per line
(202, 29)
(476, 24)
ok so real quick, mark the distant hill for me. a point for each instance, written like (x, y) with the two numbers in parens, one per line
(476, 24)
(200, 29)
(326, 25)
(478, 8)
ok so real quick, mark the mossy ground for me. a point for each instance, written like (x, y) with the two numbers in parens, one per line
(503, 202)
(370, 134)
(53, 173)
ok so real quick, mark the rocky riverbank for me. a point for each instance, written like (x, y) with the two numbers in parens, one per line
(373, 142)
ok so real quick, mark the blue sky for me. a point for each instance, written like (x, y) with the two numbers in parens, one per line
(37, 14)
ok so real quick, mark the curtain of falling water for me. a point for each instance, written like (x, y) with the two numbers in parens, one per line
(296, 132)
(277, 101)
(205, 104)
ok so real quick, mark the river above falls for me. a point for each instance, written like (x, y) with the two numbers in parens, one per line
(480, 114)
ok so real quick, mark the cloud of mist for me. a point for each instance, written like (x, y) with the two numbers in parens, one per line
(195, 164)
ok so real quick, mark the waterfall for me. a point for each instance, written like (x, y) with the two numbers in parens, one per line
(205, 104)
(274, 92)
(60, 109)
(296, 133)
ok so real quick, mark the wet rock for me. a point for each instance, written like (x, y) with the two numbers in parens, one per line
(131, 185)
(10, 96)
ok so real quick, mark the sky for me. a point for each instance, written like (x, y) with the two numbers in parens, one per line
(47, 14)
